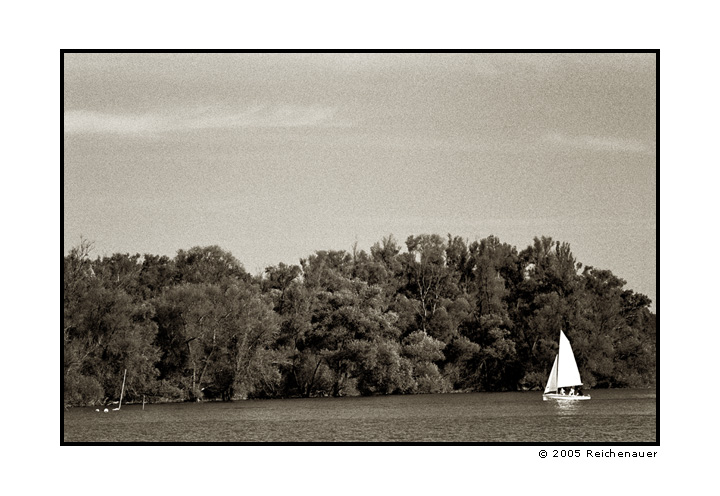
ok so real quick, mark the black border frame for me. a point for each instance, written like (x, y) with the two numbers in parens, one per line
(407, 443)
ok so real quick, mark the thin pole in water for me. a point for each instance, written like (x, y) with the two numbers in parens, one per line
(122, 390)
(143, 402)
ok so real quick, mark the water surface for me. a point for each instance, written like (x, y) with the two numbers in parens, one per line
(623, 415)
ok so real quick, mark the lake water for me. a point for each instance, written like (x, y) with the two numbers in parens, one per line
(622, 415)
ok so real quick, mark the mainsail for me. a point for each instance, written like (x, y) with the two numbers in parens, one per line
(567, 369)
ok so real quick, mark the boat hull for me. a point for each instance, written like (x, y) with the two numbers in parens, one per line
(564, 397)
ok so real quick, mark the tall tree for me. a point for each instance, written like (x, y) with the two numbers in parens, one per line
(426, 274)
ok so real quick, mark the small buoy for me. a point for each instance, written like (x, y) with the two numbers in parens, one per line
(97, 409)
(106, 410)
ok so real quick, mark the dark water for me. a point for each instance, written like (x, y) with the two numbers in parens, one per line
(623, 415)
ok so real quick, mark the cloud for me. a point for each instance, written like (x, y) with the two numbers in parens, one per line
(599, 143)
(80, 121)
(86, 121)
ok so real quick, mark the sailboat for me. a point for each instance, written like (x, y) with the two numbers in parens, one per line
(564, 375)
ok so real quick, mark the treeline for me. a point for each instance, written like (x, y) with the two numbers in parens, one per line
(438, 315)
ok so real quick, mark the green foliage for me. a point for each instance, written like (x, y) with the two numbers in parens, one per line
(442, 315)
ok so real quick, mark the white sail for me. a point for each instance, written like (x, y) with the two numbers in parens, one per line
(552, 380)
(567, 369)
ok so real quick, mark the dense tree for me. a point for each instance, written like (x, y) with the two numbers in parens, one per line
(156, 274)
(441, 315)
(426, 274)
(209, 265)
(105, 331)
(218, 334)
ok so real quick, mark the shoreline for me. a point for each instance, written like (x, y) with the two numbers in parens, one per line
(170, 401)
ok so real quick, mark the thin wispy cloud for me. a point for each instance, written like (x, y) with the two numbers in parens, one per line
(260, 147)
(260, 116)
(599, 143)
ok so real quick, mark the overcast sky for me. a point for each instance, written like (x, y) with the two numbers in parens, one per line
(275, 156)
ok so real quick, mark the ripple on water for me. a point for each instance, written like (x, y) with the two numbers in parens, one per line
(611, 416)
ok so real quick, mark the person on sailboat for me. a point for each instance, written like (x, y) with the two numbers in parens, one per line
(562, 391)
(572, 391)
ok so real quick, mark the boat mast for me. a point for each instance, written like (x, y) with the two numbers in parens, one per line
(557, 371)
(122, 390)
